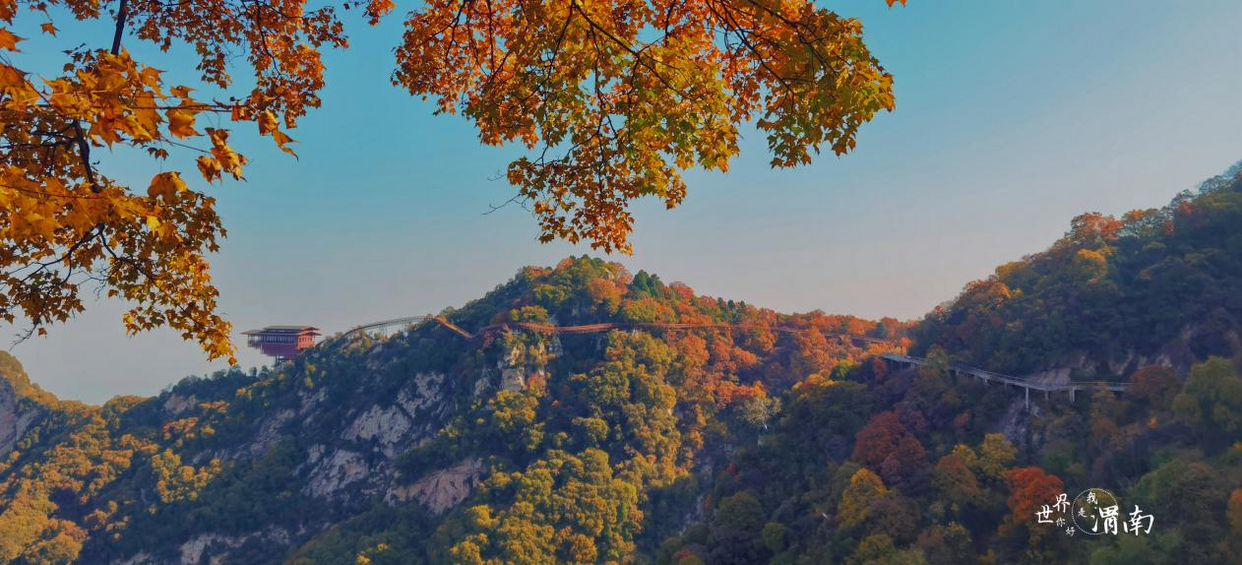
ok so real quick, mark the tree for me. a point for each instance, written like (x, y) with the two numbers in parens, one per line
(613, 99)
(741, 511)
(1029, 487)
(1212, 397)
(1156, 385)
(879, 550)
(994, 456)
(885, 445)
(865, 488)
(894, 516)
(956, 482)
(620, 96)
(1194, 497)
(945, 545)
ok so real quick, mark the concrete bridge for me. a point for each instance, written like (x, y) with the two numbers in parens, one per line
(1026, 383)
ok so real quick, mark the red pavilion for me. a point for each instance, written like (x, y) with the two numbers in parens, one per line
(282, 342)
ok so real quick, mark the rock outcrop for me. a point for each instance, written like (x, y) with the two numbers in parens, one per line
(17, 415)
(441, 490)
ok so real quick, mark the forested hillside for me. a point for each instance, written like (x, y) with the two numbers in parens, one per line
(1158, 285)
(782, 440)
(423, 445)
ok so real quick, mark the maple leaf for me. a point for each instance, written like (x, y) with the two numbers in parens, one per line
(181, 123)
(8, 40)
(614, 99)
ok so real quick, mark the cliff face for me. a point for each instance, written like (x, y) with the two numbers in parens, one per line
(241, 467)
(344, 435)
(19, 403)
(16, 417)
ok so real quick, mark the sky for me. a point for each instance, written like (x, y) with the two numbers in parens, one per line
(1011, 119)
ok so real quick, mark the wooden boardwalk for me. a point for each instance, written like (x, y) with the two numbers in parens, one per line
(1026, 383)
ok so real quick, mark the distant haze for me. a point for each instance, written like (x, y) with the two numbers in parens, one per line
(1011, 119)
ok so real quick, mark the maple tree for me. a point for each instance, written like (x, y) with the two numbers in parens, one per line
(65, 222)
(887, 446)
(613, 98)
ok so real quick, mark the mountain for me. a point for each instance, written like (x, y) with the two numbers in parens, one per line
(583, 414)
(1154, 286)
(391, 446)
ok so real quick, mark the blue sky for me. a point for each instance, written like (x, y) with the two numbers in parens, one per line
(1012, 117)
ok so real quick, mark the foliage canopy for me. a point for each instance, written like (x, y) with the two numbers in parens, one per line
(613, 98)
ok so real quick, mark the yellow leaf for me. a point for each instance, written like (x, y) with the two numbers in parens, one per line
(153, 223)
(208, 167)
(8, 40)
(283, 140)
(181, 123)
(267, 122)
(10, 77)
(376, 9)
(165, 185)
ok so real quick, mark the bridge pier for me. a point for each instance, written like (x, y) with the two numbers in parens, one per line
(1072, 389)
(1028, 397)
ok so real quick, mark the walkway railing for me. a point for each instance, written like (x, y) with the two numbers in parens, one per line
(1026, 383)
(597, 328)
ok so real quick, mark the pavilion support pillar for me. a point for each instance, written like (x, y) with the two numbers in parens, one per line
(1072, 394)
(1028, 397)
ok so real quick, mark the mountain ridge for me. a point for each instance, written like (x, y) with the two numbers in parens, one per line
(687, 430)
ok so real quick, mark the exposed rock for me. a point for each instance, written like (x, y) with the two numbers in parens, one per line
(1052, 376)
(140, 558)
(512, 375)
(176, 404)
(515, 374)
(1016, 422)
(427, 391)
(512, 379)
(441, 490)
(387, 426)
(335, 471)
(315, 453)
(192, 551)
(217, 547)
(481, 385)
(310, 401)
(15, 419)
(269, 432)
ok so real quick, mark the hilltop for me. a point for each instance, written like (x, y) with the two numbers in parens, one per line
(369, 430)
